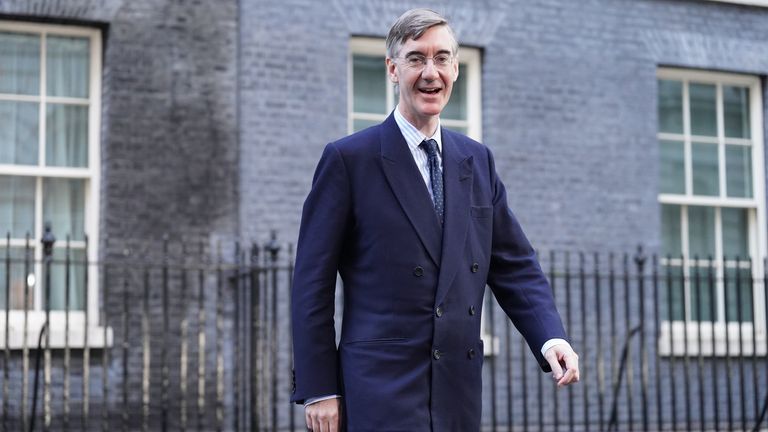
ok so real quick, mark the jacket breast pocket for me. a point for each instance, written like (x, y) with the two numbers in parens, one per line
(480, 212)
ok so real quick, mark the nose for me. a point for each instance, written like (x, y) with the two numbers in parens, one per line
(430, 71)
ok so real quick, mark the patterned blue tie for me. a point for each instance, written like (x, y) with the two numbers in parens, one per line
(435, 176)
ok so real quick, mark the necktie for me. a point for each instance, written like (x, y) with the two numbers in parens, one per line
(435, 176)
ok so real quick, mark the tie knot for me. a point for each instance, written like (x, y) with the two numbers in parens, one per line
(430, 146)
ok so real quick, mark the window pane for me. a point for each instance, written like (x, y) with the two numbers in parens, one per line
(670, 106)
(672, 167)
(738, 171)
(671, 279)
(67, 65)
(457, 106)
(19, 63)
(17, 277)
(702, 290)
(359, 124)
(19, 125)
(370, 84)
(701, 231)
(67, 136)
(77, 270)
(64, 207)
(461, 130)
(736, 111)
(17, 206)
(705, 171)
(671, 244)
(738, 283)
(703, 109)
(735, 232)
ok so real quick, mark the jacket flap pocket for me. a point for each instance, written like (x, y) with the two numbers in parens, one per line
(481, 211)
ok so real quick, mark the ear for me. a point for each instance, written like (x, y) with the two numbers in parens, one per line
(455, 69)
(392, 70)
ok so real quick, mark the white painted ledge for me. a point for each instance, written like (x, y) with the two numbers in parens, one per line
(672, 339)
(97, 337)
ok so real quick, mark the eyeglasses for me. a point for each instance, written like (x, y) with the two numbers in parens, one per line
(419, 61)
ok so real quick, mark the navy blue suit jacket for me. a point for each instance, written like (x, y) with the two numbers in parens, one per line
(410, 354)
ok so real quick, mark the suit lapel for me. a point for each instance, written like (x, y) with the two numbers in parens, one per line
(457, 180)
(406, 182)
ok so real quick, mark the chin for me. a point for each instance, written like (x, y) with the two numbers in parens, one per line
(432, 109)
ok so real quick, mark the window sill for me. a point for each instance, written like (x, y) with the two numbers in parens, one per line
(97, 336)
(715, 340)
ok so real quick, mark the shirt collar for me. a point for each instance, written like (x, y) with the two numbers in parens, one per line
(413, 136)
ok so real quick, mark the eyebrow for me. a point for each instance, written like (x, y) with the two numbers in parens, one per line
(416, 52)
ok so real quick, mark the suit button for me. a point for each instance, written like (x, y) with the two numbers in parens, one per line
(471, 353)
(439, 311)
(475, 267)
(471, 310)
(436, 354)
(418, 271)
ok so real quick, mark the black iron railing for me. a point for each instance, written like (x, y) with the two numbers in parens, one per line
(174, 335)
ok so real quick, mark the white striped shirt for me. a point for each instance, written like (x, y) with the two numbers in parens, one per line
(414, 137)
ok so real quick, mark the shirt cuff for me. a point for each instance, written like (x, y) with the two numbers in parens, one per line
(310, 401)
(552, 342)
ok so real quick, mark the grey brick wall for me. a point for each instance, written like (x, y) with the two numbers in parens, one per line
(569, 105)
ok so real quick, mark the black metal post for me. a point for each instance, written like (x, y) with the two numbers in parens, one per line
(164, 370)
(700, 355)
(48, 241)
(671, 319)
(584, 377)
(657, 333)
(491, 329)
(7, 348)
(599, 343)
(274, 249)
(628, 369)
(712, 286)
(255, 336)
(569, 320)
(640, 260)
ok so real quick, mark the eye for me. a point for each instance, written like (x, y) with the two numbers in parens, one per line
(442, 59)
(415, 60)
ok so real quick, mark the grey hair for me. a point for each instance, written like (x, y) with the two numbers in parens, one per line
(411, 25)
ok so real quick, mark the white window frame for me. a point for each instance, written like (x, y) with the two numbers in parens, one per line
(469, 57)
(673, 334)
(763, 3)
(92, 176)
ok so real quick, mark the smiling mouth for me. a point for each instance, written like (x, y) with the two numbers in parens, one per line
(431, 91)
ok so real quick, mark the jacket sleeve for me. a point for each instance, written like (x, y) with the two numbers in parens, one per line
(516, 278)
(321, 237)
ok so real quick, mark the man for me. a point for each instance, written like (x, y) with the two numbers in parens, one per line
(415, 220)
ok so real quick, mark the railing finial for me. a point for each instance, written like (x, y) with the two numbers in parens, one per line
(48, 240)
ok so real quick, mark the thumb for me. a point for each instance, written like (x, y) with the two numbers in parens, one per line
(554, 363)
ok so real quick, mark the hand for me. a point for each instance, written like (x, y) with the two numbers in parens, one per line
(562, 356)
(323, 416)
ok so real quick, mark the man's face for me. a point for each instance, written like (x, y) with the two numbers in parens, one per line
(424, 91)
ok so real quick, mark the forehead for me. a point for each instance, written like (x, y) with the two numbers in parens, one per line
(434, 39)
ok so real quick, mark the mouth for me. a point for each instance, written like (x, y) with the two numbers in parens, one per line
(430, 90)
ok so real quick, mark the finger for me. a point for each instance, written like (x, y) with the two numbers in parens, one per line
(334, 424)
(557, 371)
(571, 375)
(567, 378)
(324, 426)
(572, 364)
(315, 424)
(307, 419)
